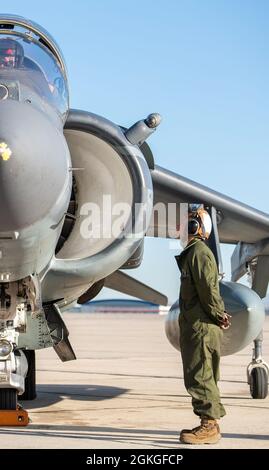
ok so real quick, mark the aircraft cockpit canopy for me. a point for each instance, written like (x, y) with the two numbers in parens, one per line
(31, 68)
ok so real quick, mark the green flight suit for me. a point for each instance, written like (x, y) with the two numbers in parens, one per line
(201, 307)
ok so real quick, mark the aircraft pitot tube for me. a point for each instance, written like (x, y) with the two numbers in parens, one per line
(247, 312)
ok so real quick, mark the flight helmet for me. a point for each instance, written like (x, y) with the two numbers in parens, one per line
(11, 53)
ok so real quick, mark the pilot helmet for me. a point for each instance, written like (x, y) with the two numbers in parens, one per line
(199, 224)
(11, 53)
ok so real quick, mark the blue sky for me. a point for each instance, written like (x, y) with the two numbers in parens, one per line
(202, 64)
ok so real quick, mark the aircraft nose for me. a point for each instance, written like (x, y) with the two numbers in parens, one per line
(34, 165)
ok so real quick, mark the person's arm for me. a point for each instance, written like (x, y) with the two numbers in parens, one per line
(205, 276)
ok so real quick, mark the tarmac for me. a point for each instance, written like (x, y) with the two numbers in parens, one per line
(125, 390)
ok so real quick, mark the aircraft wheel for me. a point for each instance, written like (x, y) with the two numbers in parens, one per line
(30, 379)
(8, 399)
(259, 382)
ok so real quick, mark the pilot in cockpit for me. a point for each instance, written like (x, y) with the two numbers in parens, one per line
(11, 53)
(31, 73)
(12, 57)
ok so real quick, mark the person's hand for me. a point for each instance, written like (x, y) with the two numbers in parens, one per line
(225, 321)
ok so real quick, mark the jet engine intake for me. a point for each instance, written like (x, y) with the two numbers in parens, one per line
(114, 197)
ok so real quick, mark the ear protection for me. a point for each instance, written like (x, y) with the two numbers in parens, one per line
(200, 224)
(193, 226)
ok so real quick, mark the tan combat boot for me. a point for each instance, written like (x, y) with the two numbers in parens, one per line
(207, 433)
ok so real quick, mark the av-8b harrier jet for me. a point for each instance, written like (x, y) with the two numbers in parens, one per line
(78, 195)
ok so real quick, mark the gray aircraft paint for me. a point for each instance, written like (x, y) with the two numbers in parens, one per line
(68, 277)
(36, 185)
(236, 221)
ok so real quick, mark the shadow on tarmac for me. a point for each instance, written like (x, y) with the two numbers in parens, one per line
(156, 438)
(49, 394)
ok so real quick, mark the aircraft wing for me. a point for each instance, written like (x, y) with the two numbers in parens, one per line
(125, 284)
(236, 221)
(114, 164)
(121, 282)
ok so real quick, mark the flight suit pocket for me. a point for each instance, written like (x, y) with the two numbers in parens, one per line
(194, 328)
(186, 290)
(200, 327)
(214, 338)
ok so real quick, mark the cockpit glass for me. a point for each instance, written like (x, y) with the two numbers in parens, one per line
(32, 74)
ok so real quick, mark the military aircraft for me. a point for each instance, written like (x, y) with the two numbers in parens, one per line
(78, 195)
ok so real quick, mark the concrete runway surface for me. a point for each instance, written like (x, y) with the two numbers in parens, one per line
(126, 391)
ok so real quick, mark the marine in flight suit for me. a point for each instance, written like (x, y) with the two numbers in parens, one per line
(201, 320)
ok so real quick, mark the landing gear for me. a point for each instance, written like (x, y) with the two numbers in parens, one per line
(11, 413)
(8, 399)
(258, 371)
(253, 259)
(259, 382)
(13, 369)
(30, 379)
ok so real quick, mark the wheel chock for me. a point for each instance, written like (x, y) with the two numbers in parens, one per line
(18, 417)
